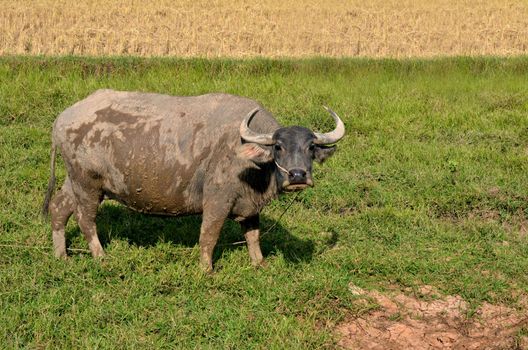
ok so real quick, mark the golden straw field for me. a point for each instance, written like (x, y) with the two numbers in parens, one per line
(272, 28)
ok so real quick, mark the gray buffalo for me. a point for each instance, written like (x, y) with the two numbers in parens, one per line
(219, 155)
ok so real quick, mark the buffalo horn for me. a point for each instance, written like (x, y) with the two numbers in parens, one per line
(249, 135)
(332, 136)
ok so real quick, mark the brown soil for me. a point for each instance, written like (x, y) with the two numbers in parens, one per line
(428, 322)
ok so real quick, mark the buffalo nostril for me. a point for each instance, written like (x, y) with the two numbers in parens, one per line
(298, 172)
(297, 176)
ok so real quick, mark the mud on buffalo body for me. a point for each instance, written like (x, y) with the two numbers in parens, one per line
(220, 155)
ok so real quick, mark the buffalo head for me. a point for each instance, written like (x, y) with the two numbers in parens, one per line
(292, 149)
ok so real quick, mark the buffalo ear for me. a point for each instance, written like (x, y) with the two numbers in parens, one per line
(254, 152)
(321, 153)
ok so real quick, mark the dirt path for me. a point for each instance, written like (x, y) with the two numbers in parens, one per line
(430, 322)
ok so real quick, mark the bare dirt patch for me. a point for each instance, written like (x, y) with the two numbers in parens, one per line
(427, 321)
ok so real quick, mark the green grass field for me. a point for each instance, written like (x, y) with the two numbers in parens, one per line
(430, 186)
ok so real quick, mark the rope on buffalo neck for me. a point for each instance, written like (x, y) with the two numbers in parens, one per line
(282, 168)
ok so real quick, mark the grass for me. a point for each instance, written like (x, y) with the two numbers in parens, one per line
(428, 187)
(266, 28)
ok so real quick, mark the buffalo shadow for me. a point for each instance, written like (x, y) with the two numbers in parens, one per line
(116, 221)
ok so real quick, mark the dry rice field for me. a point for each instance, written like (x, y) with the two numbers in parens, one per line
(271, 28)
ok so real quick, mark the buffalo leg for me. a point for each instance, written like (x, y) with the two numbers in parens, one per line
(251, 230)
(88, 201)
(61, 208)
(213, 220)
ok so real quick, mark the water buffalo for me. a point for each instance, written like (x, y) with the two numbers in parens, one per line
(220, 155)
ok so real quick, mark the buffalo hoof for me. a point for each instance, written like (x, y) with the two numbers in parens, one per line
(61, 255)
(261, 264)
(208, 271)
(206, 267)
(97, 252)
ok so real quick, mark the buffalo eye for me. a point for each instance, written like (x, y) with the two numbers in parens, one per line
(311, 147)
(278, 147)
